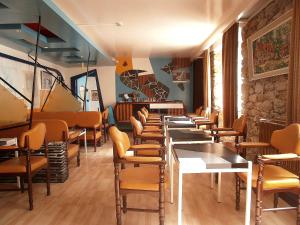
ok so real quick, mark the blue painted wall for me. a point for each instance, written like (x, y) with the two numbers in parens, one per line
(175, 93)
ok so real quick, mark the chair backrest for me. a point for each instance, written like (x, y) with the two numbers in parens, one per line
(57, 130)
(88, 119)
(121, 142)
(136, 125)
(240, 124)
(287, 140)
(203, 113)
(214, 117)
(36, 137)
(142, 118)
(198, 110)
(145, 112)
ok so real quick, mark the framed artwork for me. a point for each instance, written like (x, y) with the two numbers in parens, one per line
(46, 80)
(94, 95)
(268, 49)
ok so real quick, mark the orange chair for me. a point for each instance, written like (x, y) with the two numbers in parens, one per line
(143, 179)
(57, 131)
(268, 174)
(146, 122)
(150, 115)
(197, 112)
(27, 165)
(238, 129)
(144, 135)
(211, 122)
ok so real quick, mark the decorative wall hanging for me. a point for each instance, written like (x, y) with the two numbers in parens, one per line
(268, 49)
(94, 95)
(46, 80)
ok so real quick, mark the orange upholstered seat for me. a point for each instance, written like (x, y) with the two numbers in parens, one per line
(18, 165)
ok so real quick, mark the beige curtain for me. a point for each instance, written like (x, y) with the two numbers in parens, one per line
(229, 69)
(293, 107)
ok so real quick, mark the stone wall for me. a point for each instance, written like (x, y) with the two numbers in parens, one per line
(264, 98)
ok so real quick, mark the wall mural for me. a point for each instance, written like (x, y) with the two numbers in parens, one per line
(179, 68)
(162, 78)
(141, 80)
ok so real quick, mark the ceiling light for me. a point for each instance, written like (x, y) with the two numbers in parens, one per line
(119, 24)
(46, 47)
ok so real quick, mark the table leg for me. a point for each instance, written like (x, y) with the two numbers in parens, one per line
(171, 180)
(219, 187)
(212, 180)
(18, 178)
(248, 194)
(85, 144)
(180, 197)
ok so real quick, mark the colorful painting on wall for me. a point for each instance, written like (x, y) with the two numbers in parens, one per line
(269, 49)
(143, 81)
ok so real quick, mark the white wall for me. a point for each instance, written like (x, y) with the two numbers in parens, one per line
(20, 75)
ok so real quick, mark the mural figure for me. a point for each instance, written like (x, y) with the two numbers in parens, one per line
(179, 70)
(141, 80)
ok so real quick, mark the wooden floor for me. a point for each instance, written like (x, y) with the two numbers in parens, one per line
(87, 197)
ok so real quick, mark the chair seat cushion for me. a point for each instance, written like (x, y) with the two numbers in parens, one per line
(18, 165)
(143, 146)
(274, 177)
(90, 135)
(72, 150)
(152, 134)
(147, 153)
(152, 128)
(140, 178)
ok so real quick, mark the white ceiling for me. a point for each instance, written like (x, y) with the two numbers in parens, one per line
(153, 27)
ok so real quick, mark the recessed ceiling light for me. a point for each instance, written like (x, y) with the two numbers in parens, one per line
(119, 24)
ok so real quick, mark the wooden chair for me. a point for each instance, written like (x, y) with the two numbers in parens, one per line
(144, 179)
(57, 131)
(27, 165)
(211, 122)
(146, 122)
(196, 113)
(150, 115)
(140, 133)
(268, 174)
(238, 129)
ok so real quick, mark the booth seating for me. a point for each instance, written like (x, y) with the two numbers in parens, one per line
(143, 135)
(27, 165)
(238, 129)
(58, 131)
(145, 122)
(92, 121)
(143, 179)
(269, 176)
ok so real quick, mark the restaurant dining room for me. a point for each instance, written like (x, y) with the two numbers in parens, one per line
(149, 112)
